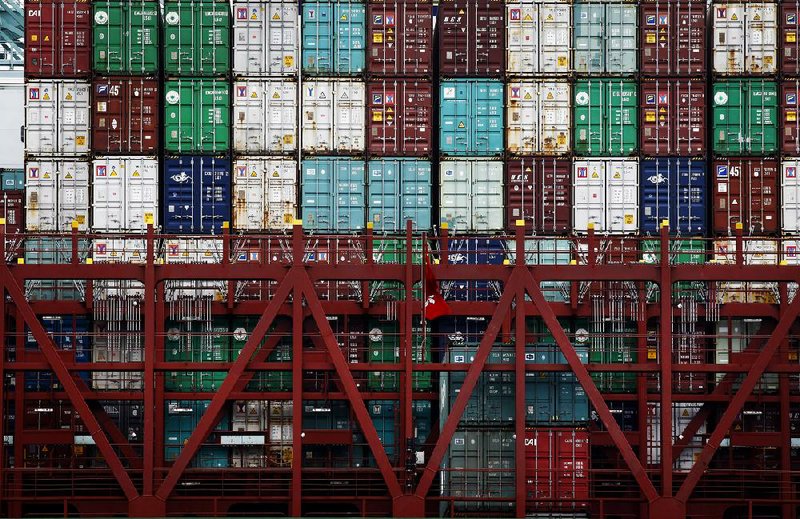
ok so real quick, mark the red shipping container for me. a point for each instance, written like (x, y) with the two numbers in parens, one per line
(125, 115)
(746, 191)
(673, 117)
(471, 38)
(539, 192)
(556, 469)
(58, 38)
(673, 38)
(400, 38)
(790, 137)
(609, 249)
(788, 44)
(400, 117)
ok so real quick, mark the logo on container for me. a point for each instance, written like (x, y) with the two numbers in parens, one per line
(33, 94)
(100, 171)
(377, 19)
(791, 99)
(722, 12)
(722, 171)
(662, 99)
(516, 15)
(721, 98)
(33, 172)
(241, 171)
(651, 19)
(583, 172)
(662, 19)
(241, 91)
(241, 13)
(791, 18)
(181, 178)
(650, 99)
(791, 172)
(172, 18)
(172, 97)
(582, 98)
(657, 178)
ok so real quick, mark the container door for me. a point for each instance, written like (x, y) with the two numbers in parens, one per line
(657, 21)
(73, 117)
(690, 44)
(41, 112)
(790, 195)
(180, 116)
(555, 118)
(400, 39)
(109, 33)
(692, 198)
(214, 114)
(142, 37)
(40, 196)
(589, 38)
(141, 193)
(590, 113)
(318, 36)
(249, 209)
(108, 195)
(281, 193)
(762, 117)
(179, 194)
(763, 190)
(729, 38)
(265, 38)
(555, 193)
(789, 44)
(212, 38)
(76, 32)
(456, 123)
(589, 195)
(455, 206)
(729, 116)
(416, 118)
(658, 176)
(690, 127)
(554, 39)
(250, 130)
(318, 195)
(384, 194)
(318, 116)
(41, 45)
(730, 195)
(73, 195)
(416, 194)
(522, 36)
(349, 114)
(621, 25)
(761, 34)
(622, 197)
(214, 196)
(790, 140)
(523, 117)
(657, 117)
(521, 197)
(350, 183)
(487, 196)
(349, 35)
(623, 124)
(183, 36)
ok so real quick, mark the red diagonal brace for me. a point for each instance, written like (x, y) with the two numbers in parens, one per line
(585, 380)
(471, 379)
(349, 385)
(212, 414)
(750, 381)
(48, 349)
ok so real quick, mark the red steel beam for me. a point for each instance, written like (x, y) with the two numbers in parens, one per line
(213, 412)
(296, 489)
(585, 380)
(739, 399)
(468, 386)
(149, 317)
(519, 379)
(350, 388)
(665, 359)
(48, 347)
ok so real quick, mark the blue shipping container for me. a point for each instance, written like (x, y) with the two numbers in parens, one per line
(399, 190)
(326, 414)
(180, 421)
(334, 38)
(197, 194)
(474, 251)
(69, 333)
(554, 398)
(472, 117)
(333, 198)
(674, 189)
(384, 414)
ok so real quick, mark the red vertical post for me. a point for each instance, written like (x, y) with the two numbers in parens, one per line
(158, 383)
(296, 491)
(591, 240)
(74, 242)
(149, 364)
(519, 375)
(3, 351)
(368, 251)
(444, 243)
(740, 259)
(19, 410)
(665, 358)
(407, 354)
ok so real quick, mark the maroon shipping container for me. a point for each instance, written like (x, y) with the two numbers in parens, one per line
(673, 117)
(12, 208)
(125, 115)
(557, 468)
(400, 117)
(539, 192)
(673, 38)
(58, 38)
(788, 44)
(746, 190)
(400, 38)
(610, 250)
(471, 37)
(790, 137)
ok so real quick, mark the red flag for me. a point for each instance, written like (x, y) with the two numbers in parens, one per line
(435, 305)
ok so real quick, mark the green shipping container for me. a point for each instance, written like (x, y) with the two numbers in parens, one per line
(196, 38)
(263, 380)
(384, 347)
(196, 341)
(606, 117)
(745, 117)
(613, 342)
(125, 36)
(393, 251)
(682, 252)
(197, 116)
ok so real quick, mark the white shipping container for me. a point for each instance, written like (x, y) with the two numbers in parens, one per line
(333, 116)
(734, 337)
(57, 117)
(538, 38)
(756, 252)
(790, 195)
(56, 194)
(194, 250)
(605, 193)
(682, 415)
(472, 195)
(116, 346)
(265, 38)
(539, 117)
(264, 194)
(265, 116)
(249, 416)
(12, 106)
(124, 193)
(119, 250)
(745, 38)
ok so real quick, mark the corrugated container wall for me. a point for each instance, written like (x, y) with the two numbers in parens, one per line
(333, 116)
(471, 38)
(197, 116)
(265, 38)
(790, 122)
(539, 191)
(333, 194)
(58, 38)
(264, 116)
(745, 38)
(334, 38)
(538, 38)
(606, 117)
(471, 117)
(745, 117)
(197, 37)
(673, 38)
(264, 193)
(57, 193)
(125, 37)
(57, 117)
(400, 38)
(789, 45)
(399, 190)
(605, 37)
(472, 196)
(746, 191)
(673, 117)
(673, 189)
(124, 193)
(557, 463)
(400, 118)
(539, 117)
(197, 194)
(606, 194)
(125, 115)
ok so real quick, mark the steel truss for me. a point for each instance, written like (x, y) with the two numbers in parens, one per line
(146, 486)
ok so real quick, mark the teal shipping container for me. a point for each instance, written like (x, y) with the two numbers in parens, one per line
(480, 464)
(334, 38)
(53, 251)
(546, 252)
(12, 179)
(334, 195)
(326, 414)
(197, 36)
(472, 117)
(605, 37)
(606, 117)
(399, 190)
(180, 421)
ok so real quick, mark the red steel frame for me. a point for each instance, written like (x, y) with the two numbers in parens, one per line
(662, 494)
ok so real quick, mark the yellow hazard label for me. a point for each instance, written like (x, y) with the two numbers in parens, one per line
(462, 125)
(113, 173)
(275, 174)
(650, 116)
(80, 218)
(68, 97)
(276, 95)
(253, 173)
(254, 16)
(791, 116)
(377, 116)
(651, 354)
(68, 176)
(617, 176)
(80, 140)
(628, 219)
(685, 412)
(791, 37)
(734, 17)
(651, 38)
(663, 38)
(550, 96)
(253, 95)
(549, 17)
(461, 12)
(595, 175)
(34, 37)
(288, 139)
(136, 174)
(562, 61)
(528, 18)
(768, 60)
(562, 139)
(377, 37)
(792, 355)
(46, 97)
(276, 16)
(757, 18)
(288, 61)
(528, 96)
(343, 18)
